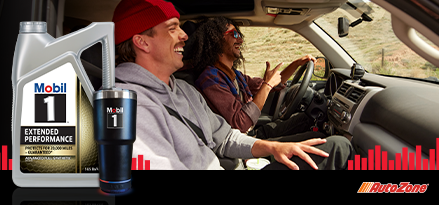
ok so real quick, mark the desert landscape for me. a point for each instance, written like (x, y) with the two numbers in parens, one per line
(367, 43)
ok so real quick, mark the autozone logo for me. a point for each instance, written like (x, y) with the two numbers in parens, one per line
(403, 187)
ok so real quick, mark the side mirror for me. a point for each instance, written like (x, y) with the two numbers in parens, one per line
(321, 67)
(343, 27)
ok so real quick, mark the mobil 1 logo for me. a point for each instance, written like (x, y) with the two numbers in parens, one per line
(114, 117)
(50, 102)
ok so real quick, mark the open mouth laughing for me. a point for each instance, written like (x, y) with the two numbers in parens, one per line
(179, 50)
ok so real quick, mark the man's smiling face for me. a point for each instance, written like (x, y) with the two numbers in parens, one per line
(168, 42)
(232, 47)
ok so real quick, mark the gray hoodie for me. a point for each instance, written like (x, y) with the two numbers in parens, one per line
(166, 141)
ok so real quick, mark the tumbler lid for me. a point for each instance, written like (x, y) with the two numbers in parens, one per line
(114, 93)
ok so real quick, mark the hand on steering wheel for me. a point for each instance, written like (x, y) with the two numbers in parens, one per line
(305, 59)
(291, 102)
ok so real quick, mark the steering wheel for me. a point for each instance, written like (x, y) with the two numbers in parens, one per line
(292, 99)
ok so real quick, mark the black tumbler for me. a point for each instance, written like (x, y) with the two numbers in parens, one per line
(115, 132)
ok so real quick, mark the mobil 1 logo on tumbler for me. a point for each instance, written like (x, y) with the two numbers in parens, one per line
(50, 102)
(114, 117)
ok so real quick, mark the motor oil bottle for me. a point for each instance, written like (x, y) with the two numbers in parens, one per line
(52, 115)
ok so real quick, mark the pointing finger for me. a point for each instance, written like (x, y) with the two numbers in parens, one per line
(278, 66)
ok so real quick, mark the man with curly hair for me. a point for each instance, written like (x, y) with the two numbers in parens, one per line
(215, 54)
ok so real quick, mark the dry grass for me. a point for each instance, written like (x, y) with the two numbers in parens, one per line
(273, 45)
(365, 43)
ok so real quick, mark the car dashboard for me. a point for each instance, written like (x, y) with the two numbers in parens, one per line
(347, 104)
(391, 112)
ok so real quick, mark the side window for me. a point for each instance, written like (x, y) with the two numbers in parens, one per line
(274, 45)
(375, 46)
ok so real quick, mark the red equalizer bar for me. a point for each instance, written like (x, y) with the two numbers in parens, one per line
(4, 159)
(137, 163)
(377, 160)
(140, 164)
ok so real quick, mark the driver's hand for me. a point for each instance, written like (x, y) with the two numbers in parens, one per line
(272, 77)
(305, 59)
(283, 152)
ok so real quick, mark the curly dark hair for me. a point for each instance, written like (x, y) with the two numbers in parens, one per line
(207, 42)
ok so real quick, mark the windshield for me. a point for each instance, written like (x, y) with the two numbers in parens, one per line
(374, 45)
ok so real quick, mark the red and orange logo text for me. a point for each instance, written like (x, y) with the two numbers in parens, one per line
(403, 187)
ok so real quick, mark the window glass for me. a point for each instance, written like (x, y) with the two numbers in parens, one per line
(374, 45)
(274, 45)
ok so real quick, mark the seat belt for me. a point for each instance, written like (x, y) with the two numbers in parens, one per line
(194, 127)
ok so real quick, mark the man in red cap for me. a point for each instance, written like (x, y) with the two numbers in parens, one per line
(175, 127)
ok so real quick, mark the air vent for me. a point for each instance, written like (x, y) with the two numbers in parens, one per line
(343, 89)
(356, 95)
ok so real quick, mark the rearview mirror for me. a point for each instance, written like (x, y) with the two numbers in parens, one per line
(343, 27)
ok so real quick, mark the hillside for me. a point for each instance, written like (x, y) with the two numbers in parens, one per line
(365, 42)
(274, 45)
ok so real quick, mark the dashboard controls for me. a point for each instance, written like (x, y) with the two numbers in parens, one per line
(345, 117)
(339, 111)
(348, 102)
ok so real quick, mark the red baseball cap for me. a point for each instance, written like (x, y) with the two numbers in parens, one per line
(135, 16)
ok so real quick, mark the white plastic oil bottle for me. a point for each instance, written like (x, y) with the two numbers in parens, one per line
(52, 116)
